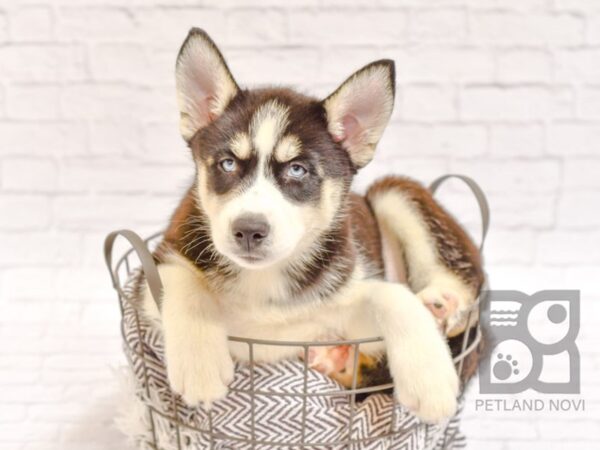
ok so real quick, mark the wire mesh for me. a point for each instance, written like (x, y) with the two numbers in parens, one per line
(124, 268)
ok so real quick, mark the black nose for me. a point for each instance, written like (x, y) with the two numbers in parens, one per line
(250, 231)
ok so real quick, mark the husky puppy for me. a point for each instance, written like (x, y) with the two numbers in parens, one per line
(269, 242)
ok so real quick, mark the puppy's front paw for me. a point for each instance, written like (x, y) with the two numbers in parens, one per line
(431, 396)
(425, 381)
(199, 375)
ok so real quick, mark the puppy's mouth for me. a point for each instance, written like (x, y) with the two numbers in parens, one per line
(252, 260)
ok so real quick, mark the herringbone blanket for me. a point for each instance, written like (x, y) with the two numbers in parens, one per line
(275, 416)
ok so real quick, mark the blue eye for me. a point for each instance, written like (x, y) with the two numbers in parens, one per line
(297, 171)
(228, 165)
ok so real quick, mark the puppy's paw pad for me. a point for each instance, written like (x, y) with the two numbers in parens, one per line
(443, 303)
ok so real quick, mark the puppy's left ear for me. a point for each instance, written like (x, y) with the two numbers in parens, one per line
(359, 110)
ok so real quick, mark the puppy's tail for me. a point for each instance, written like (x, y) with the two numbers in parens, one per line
(419, 236)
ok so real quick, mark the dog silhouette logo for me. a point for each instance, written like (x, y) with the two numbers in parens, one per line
(532, 341)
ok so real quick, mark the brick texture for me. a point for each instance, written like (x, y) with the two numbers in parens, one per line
(505, 91)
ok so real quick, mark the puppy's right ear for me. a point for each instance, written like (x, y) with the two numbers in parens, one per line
(204, 83)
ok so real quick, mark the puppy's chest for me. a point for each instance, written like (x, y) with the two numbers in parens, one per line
(267, 312)
(290, 319)
(282, 323)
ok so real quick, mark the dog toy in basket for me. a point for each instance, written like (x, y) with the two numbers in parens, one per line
(268, 252)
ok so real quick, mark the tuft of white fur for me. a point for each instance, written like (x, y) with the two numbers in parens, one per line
(267, 126)
(288, 148)
(131, 416)
(240, 146)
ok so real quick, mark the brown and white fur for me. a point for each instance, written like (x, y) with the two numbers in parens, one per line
(269, 243)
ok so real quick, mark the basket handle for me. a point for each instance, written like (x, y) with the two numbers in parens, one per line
(484, 208)
(148, 265)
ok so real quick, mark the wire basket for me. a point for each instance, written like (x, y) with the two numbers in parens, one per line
(306, 414)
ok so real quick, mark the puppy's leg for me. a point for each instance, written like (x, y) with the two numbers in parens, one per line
(199, 365)
(443, 264)
(425, 380)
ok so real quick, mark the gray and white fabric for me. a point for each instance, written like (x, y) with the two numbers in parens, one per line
(278, 421)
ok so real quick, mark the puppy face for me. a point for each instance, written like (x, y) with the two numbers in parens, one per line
(270, 177)
(274, 166)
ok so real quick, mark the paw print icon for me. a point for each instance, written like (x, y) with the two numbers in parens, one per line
(532, 341)
(505, 367)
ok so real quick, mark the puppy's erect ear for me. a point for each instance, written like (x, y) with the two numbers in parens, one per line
(359, 110)
(204, 84)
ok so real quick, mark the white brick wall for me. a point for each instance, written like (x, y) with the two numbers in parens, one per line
(506, 91)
